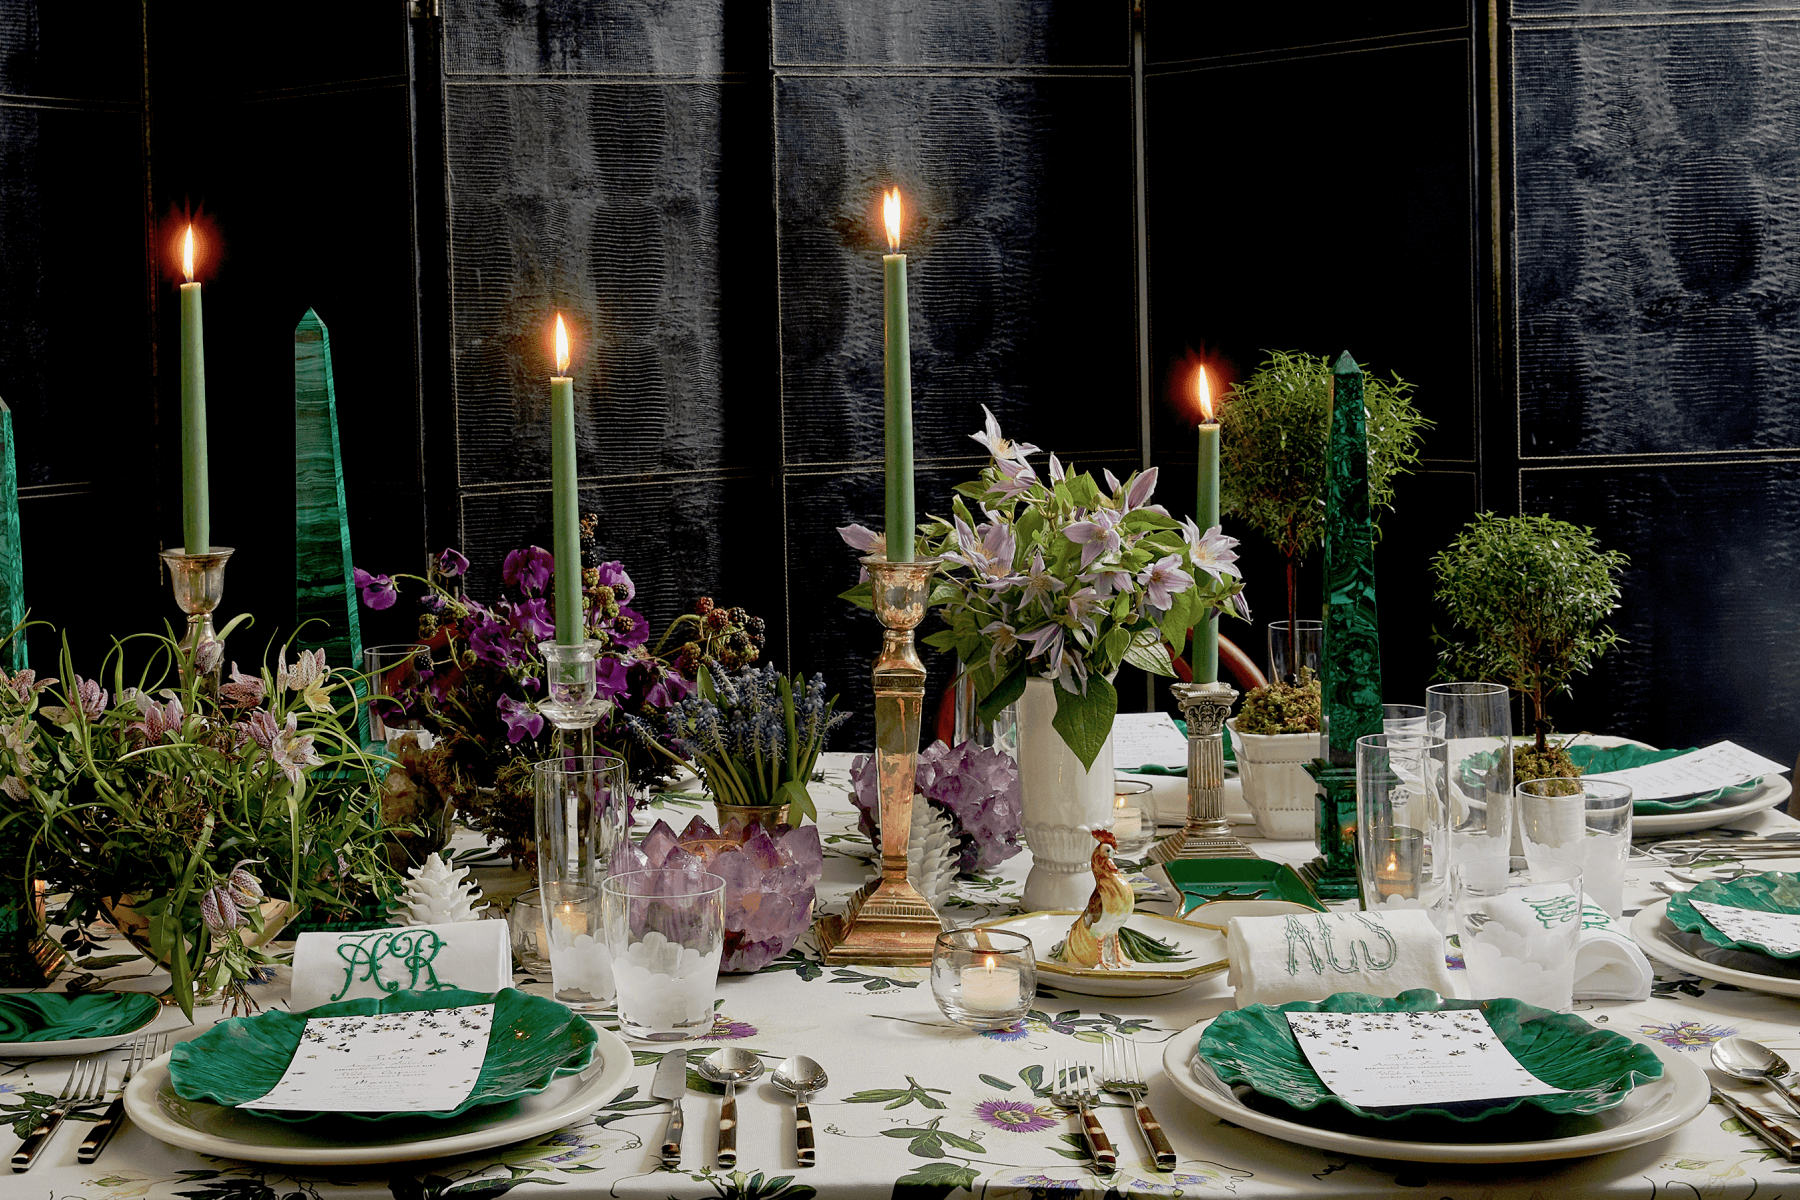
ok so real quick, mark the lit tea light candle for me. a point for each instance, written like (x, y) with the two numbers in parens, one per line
(1398, 860)
(1128, 820)
(990, 989)
(572, 919)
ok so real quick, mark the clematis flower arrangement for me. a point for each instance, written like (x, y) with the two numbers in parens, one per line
(199, 824)
(1061, 577)
(479, 696)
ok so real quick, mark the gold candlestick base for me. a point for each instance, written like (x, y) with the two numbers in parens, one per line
(1207, 833)
(887, 923)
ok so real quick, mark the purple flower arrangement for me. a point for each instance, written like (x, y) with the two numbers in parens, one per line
(978, 786)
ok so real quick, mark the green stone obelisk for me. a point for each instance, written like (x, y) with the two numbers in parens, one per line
(12, 561)
(324, 584)
(1351, 670)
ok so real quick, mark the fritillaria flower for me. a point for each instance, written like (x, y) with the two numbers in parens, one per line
(219, 911)
(243, 691)
(378, 591)
(15, 787)
(309, 676)
(159, 721)
(90, 702)
(25, 684)
(288, 748)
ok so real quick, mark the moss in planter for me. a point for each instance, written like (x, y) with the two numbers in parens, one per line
(1282, 707)
(1553, 763)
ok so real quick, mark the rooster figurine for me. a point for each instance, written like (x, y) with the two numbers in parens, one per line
(1093, 940)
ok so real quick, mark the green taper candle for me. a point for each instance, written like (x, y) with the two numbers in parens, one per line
(897, 350)
(196, 520)
(1206, 515)
(564, 514)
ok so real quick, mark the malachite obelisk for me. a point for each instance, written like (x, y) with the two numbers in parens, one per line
(12, 561)
(324, 587)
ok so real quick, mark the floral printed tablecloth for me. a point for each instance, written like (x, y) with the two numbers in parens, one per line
(919, 1107)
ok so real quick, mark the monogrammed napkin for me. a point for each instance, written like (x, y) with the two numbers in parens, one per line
(472, 955)
(1275, 960)
(1608, 964)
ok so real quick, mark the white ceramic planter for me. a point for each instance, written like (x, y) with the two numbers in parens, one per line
(1277, 789)
(1063, 802)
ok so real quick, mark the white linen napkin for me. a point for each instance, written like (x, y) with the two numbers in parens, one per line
(1275, 960)
(1608, 964)
(473, 955)
(1169, 799)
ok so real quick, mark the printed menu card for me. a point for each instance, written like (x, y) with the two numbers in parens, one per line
(1379, 1060)
(1778, 932)
(424, 1061)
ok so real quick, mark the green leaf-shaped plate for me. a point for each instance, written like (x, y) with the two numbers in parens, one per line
(1255, 1046)
(1770, 891)
(1597, 760)
(531, 1042)
(30, 1017)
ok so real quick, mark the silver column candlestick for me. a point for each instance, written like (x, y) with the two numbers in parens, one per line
(888, 923)
(1207, 834)
(199, 583)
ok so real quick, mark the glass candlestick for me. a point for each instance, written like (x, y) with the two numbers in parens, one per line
(199, 583)
(571, 700)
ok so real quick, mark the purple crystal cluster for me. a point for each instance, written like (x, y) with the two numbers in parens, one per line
(977, 785)
(769, 880)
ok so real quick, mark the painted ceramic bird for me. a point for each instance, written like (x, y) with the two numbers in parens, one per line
(1093, 940)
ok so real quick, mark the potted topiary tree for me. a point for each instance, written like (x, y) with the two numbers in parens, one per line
(1528, 595)
(1275, 428)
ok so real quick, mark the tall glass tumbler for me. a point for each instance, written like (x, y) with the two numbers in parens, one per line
(1478, 728)
(395, 674)
(1402, 823)
(1519, 928)
(1585, 821)
(581, 817)
(1287, 654)
(666, 931)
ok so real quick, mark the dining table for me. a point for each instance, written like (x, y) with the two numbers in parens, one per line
(916, 1105)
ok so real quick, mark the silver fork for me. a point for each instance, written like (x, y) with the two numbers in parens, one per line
(1073, 1089)
(85, 1088)
(1116, 1076)
(145, 1049)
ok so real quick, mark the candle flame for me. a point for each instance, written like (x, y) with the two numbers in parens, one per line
(1206, 406)
(1393, 863)
(187, 254)
(890, 213)
(562, 347)
(988, 962)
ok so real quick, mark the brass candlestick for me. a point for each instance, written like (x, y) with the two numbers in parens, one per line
(199, 583)
(1207, 833)
(888, 923)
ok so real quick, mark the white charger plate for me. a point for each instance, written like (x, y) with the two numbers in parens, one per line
(1653, 1110)
(1774, 790)
(90, 1045)
(1650, 929)
(1206, 948)
(224, 1132)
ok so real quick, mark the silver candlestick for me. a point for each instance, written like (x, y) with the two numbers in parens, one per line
(1207, 834)
(199, 583)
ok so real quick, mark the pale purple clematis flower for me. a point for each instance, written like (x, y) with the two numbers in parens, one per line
(521, 721)
(1083, 604)
(1212, 551)
(450, 563)
(1112, 481)
(1142, 488)
(1003, 638)
(529, 569)
(1056, 469)
(1108, 583)
(1162, 579)
(999, 447)
(860, 537)
(1046, 641)
(244, 691)
(378, 591)
(987, 550)
(1040, 584)
(1097, 537)
(1073, 675)
(1239, 605)
(1016, 478)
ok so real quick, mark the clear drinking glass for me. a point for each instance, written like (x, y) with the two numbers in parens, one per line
(525, 927)
(983, 978)
(1478, 728)
(393, 672)
(1402, 822)
(1411, 719)
(1308, 641)
(1134, 816)
(1519, 928)
(666, 932)
(1586, 821)
(581, 817)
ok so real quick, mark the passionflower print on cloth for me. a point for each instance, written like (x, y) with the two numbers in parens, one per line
(1687, 1035)
(1016, 1116)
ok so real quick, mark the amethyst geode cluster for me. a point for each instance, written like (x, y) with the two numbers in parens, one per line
(979, 787)
(769, 880)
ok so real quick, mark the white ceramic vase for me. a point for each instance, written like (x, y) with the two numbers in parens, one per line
(1277, 789)
(1064, 803)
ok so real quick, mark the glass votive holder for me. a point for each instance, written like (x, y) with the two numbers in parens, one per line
(984, 978)
(1134, 818)
(525, 926)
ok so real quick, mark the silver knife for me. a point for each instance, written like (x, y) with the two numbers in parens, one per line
(1783, 1142)
(671, 1084)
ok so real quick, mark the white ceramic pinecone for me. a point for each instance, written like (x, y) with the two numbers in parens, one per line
(437, 895)
(932, 852)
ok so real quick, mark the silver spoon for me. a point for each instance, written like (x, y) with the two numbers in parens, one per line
(1753, 1062)
(799, 1076)
(729, 1067)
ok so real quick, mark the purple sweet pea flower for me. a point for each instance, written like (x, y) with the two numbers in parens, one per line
(493, 643)
(532, 619)
(378, 591)
(1162, 579)
(611, 679)
(668, 691)
(1097, 537)
(612, 575)
(521, 721)
(451, 563)
(529, 569)
(630, 629)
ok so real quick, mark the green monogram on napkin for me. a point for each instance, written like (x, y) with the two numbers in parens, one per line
(405, 953)
(1326, 936)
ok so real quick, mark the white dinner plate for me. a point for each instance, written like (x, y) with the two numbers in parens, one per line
(94, 1045)
(1205, 950)
(1652, 1110)
(1650, 929)
(1774, 790)
(213, 1129)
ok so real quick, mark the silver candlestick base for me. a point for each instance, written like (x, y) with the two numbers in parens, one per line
(1207, 834)
(199, 583)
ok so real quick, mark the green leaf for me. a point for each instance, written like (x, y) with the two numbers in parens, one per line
(1149, 654)
(1085, 721)
(862, 595)
(996, 1083)
(799, 801)
(926, 1145)
(943, 639)
(935, 1181)
(1077, 1147)
(962, 1143)
(1006, 692)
